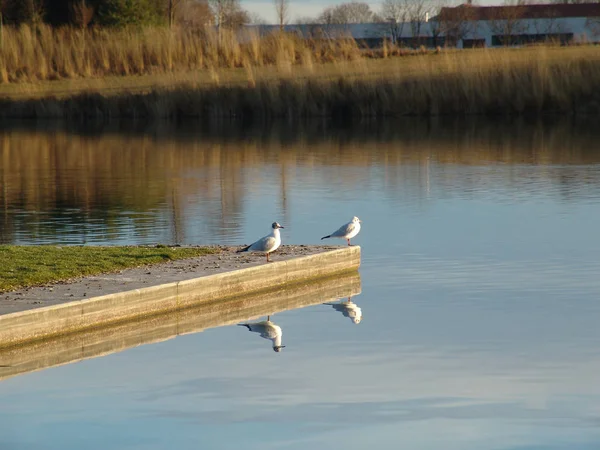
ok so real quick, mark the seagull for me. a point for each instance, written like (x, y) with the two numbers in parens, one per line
(347, 231)
(267, 330)
(267, 244)
(348, 309)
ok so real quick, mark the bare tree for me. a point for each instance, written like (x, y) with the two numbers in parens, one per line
(574, 2)
(172, 9)
(327, 16)
(345, 13)
(395, 13)
(358, 12)
(228, 14)
(257, 19)
(548, 25)
(194, 14)
(507, 21)
(2, 6)
(593, 24)
(218, 8)
(282, 9)
(434, 26)
(236, 19)
(22, 11)
(82, 13)
(305, 20)
(417, 14)
(34, 10)
(456, 23)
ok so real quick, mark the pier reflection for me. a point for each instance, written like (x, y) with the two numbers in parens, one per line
(105, 341)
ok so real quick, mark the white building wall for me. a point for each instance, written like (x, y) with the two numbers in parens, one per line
(485, 29)
(583, 30)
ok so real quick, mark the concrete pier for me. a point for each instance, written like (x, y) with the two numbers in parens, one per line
(41, 323)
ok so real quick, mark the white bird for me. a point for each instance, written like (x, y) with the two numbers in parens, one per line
(346, 231)
(348, 309)
(267, 330)
(267, 244)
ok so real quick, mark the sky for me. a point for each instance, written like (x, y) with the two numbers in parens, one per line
(312, 8)
(304, 8)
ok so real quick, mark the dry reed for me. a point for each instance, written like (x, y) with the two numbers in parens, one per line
(44, 53)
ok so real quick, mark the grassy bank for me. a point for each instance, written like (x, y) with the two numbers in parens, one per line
(182, 74)
(24, 266)
(488, 82)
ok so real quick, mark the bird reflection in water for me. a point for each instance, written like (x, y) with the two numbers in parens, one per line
(349, 309)
(267, 330)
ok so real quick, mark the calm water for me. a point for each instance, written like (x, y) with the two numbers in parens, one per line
(480, 290)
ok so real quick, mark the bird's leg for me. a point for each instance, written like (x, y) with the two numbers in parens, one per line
(268, 318)
(349, 244)
(267, 257)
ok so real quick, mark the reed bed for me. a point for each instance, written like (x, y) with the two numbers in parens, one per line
(485, 82)
(45, 53)
(174, 74)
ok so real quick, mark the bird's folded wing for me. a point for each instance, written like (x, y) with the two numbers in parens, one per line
(265, 244)
(345, 229)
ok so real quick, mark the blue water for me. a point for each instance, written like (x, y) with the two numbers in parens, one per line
(480, 298)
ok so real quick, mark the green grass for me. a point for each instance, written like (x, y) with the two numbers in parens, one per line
(24, 266)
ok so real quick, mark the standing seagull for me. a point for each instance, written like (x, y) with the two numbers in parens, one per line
(267, 244)
(267, 330)
(347, 231)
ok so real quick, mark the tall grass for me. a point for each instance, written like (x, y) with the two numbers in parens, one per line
(44, 53)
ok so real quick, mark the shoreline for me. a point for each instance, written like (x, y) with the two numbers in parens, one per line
(337, 99)
(86, 287)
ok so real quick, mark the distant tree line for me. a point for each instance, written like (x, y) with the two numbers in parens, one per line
(85, 13)
(398, 11)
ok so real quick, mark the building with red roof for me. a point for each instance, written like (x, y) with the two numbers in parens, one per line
(469, 25)
(492, 26)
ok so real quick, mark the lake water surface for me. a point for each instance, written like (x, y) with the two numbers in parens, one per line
(480, 283)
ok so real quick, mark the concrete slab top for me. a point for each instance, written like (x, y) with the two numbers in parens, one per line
(225, 260)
